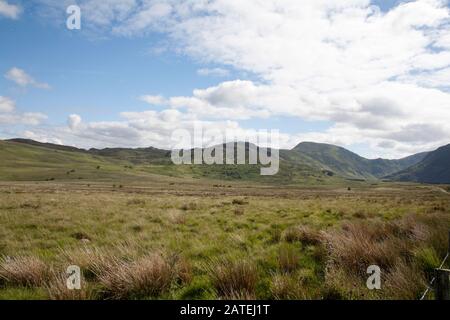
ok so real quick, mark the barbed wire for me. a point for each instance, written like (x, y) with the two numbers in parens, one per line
(434, 278)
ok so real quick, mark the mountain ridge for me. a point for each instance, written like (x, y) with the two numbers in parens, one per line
(434, 168)
(307, 159)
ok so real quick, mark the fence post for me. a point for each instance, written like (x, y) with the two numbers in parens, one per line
(442, 284)
(443, 279)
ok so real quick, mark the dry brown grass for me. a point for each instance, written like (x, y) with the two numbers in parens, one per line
(148, 276)
(303, 234)
(285, 287)
(57, 289)
(234, 279)
(91, 260)
(189, 206)
(26, 271)
(405, 281)
(176, 216)
(402, 249)
(183, 270)
(288, 259)
(358, 245)
(136, 202)
(240, 202)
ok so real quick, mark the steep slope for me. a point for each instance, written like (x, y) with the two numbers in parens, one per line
(348, 164)
(434, 168)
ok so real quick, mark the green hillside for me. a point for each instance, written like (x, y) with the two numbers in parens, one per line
(307, 163)
(345, 163)
(20, 161)
(434, 168)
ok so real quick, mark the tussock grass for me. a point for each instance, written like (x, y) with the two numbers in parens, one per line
(176, 216)
(289, 244)
(136, 202)
(303, 234)
(26, 271)
(189, 206)
(286, 287)
(403, 249)
(91, 260)
(57, 289)
(288, 259)
(148, 276)
(240, 202)
(405, 281)
(234, 279)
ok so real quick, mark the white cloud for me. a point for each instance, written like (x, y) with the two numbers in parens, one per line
(9, 115)
(215, 72)
(143, 129)
(41, 136)
(27, 118)
(154, 100)
(378, 76)
(7, 105)
(74, 121)
(9, 10)
(21, 78)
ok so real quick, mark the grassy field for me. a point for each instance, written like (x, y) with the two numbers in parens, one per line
(193, 239)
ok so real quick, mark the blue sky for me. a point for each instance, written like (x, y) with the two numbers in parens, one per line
(101, 71)
(100, 77)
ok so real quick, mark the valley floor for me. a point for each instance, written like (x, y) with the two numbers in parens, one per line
(199, 240)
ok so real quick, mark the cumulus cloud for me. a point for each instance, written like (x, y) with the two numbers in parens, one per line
(21, 78)
(9, 10)
(10, 116)
(6, 104)
(74, 121)
(215, 72)
(156, 100)
(150, 128)
(27, 118)
(380, 76)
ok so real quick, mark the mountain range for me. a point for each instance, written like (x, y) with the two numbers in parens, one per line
(308, 162)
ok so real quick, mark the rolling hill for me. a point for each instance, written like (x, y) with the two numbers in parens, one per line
(32, 161)
(307, 163)
(434, 168)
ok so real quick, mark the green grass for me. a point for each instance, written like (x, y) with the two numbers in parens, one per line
(152, 230)
(200, 224)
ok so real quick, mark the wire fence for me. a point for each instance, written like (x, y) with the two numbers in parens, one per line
(431, 284)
